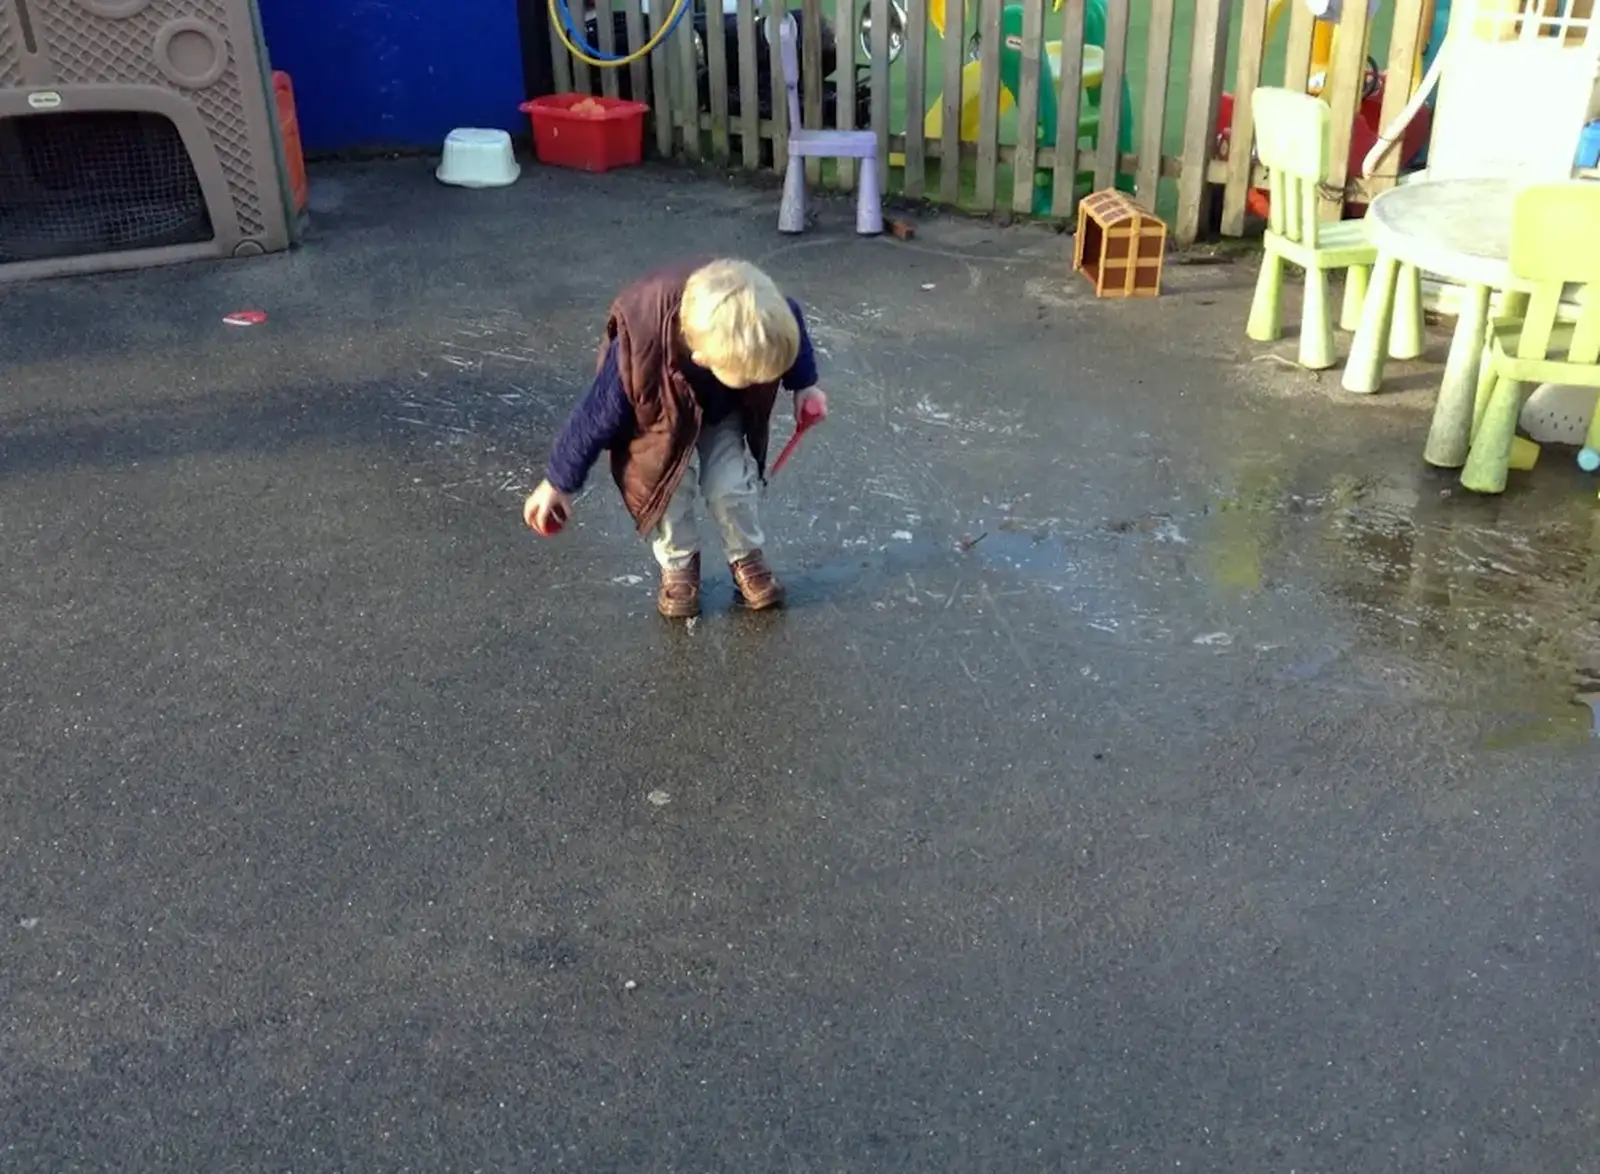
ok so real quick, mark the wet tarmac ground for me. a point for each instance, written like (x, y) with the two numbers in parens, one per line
(1158, 767)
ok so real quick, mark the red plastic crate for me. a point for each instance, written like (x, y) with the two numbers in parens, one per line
(595, 142)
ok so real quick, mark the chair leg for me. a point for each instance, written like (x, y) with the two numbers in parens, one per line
(792, 211)
(1405, 335)
(1316, 326)
(1266, 311)
(1355, 293)
(869, 200)
(1490, 458)
(1363, 370)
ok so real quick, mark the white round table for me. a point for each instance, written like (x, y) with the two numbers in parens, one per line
(1459, 230)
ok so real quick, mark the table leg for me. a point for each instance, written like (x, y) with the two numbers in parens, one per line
(1450, 436)
(1363, 370)
(1355, 293)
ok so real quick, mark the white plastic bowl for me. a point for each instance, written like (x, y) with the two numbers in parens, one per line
(1558, 414)
(477, 158)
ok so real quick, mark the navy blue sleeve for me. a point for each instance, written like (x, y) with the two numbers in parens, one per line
(803, 373)
(594, 423)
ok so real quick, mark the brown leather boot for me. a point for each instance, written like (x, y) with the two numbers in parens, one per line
(757, 586)
(679, 596)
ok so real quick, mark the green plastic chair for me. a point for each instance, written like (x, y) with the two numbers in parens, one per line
(1555, 241)
(1292, 140)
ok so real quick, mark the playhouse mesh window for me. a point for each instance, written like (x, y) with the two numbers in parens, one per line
(75, 184)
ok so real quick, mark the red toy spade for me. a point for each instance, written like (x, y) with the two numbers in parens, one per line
(811, 415)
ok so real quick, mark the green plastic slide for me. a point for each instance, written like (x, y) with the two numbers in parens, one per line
(1094, 33)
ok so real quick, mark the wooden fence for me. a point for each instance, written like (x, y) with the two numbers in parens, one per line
(698, 80)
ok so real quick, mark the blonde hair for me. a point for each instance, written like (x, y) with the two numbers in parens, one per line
(736, 322)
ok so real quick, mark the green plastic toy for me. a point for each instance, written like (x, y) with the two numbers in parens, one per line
(1094, 33)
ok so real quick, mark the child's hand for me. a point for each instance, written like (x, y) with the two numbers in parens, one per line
(810, 406)
(547, 509)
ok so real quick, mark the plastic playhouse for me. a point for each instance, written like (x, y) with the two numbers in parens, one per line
(1094, 40)
(1369, 117)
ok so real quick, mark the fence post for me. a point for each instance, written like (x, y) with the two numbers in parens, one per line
(811, 78)
(1406, 39)
(661, 80)
(953, 58)
(749, 87)
(1152, 128)
(561, 62)
(1023, 163)
(988, 103)
(1107, 162)
(688, 84)
(880, 87)
(844, 79)
(916, 173)
(776, 11)
(1069, 102)
(582, 82)
(717, 66)
(1252, 47)
(606, 33)
(1208, 60)
(1297, 54)
(638, 71)
(1342, 91)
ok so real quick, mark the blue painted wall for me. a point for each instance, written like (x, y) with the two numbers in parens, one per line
(378, 73)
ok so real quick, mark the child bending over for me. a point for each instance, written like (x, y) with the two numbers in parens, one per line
(689, 372)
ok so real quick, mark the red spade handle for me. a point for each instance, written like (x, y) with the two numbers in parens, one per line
(811, 414)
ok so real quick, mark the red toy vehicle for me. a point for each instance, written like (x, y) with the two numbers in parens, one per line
(1363, 136)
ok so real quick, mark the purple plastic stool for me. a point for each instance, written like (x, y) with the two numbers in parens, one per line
(823, 144)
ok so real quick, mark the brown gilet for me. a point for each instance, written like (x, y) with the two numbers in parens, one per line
(649, 460)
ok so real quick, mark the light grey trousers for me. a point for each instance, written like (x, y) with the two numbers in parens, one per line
(724, 473)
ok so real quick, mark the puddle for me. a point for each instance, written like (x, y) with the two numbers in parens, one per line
(1487, 605)
(1031, 550)
(1399, 587)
